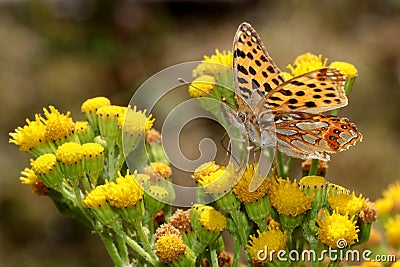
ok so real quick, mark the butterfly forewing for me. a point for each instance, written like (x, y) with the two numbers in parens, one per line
(254, 71)
(314, 92)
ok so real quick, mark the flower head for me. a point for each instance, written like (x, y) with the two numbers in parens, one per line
(219, 181)
(97, 197)
(134, 121)
(241, 190)
(287, 197)
(336, 228)
(202, 86)
(84, 132)
(70, 157)
(58, 126)
(273, 239)
(90, 106)
(107, 117)
(166, 229)
(213, 220)
(157, 169)
(346, 203)
(214, 64)
(31, 137)
(181, 220)
(125, 192)
(45, 167)
(306, 63)
(393, 231)
(93, 157)
(29, 178)
(170, 247)
(346, 68)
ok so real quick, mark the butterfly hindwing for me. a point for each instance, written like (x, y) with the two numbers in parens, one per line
(313, 136)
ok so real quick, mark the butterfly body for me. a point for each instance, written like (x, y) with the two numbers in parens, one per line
(287, 111)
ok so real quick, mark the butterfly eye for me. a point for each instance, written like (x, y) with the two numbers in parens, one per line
(242, 117)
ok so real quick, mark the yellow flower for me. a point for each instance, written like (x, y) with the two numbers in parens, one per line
(84, 131)
(91, 105)
(337, 230)
(260, 247)
(166, 229)
(97, 197)
(287, 197)
(306, 63)
(70, 155)
(205, 169)
(396, 264)
(219, 181)
(108, 120)
(202, 86)
(393, 231)
(33, 181)
(384, 206)
(213, 220)
(125, 193)
(45, 167)
(134, 121)
(346, 203)
(93, 157)
(58, 126)
(346, 68)
(241, 190)
(214, 64)
(313, 182)
(30, 136)
(157, 169)
(286, 75)
(170, 247)
(44, 164)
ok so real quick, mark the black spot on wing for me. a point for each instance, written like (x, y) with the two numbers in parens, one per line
(250, 55)
(255, 84)
(310, 104)
(252, 70)
(267, 87)
(242, 80)
(285, 92)
(300, 93)
(242, 69)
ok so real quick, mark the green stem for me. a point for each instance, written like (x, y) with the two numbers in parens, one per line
(314, 167)
(214, 257)
(236, 252)
(145, 240)
(111, 163)
(134, 245)
(120, 161)
(280, 168)
(111, 249)
(123, 251)
(314, 247)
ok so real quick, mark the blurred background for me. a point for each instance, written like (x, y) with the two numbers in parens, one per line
(61, 52)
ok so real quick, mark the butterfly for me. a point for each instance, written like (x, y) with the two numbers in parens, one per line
(264, 98)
